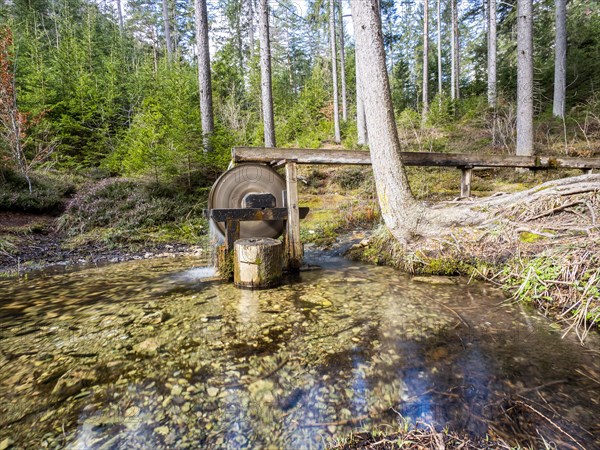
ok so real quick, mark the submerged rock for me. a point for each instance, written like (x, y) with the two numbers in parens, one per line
(148, 347)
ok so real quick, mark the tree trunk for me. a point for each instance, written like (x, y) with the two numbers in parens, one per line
(439, 47)
(455, 53)
(407, 219)
(120, 15)
(524, 77)
(560, 61)
(398, 208)
(425, 58)
(265, 75)
(343, 64)
(361, 123)
(491, 56)
(204, 80)
(336, 114)
(167, 28)
(251, 27)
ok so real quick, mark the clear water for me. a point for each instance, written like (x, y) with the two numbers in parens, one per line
(157, 354)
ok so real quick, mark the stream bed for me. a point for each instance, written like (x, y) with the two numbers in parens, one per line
(156, 354)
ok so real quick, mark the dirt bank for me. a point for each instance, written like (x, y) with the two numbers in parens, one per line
(30, 242)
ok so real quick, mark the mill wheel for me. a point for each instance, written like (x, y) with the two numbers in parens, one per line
(231, 188)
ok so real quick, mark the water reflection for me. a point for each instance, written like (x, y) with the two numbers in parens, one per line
(155, 354)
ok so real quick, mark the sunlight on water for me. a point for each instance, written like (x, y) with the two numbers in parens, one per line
(159, 354)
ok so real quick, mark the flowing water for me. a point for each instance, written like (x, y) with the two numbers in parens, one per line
(157, 354)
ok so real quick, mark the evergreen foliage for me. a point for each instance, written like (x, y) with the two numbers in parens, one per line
(96, 95)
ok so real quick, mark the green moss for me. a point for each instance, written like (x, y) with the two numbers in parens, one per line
(445, 266)
(527, 237)
(8, 244)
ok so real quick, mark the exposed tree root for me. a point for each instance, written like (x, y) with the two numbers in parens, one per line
(543, 245)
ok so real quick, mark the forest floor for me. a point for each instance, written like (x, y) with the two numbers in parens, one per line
(30, 242)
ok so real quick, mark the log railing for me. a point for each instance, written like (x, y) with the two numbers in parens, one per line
(463, 161)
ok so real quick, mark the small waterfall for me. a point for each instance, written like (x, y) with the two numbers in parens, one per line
(215, 238)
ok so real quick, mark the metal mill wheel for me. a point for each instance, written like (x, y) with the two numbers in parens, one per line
(231, 187)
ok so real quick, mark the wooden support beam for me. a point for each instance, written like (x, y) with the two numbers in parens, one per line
(320, 156)
(232, 233)
(250, 214)
(465, 181)
(293, 243)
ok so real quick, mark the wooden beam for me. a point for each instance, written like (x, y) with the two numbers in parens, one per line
(465, 181)
(359, 157)
(250, 214)
(232, 233)
(293, 243)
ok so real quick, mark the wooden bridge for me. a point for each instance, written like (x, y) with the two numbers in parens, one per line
(290, 157)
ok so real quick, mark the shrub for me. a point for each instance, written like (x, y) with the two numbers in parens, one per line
(126, 204)
(50, 191)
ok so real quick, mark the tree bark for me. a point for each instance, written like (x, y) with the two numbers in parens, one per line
(343, 64)
(525, 77)
(425, 58)
(120, 16)
(265, 74)
(167, 28)
(399, 209)
(361, 121)
(560, 61)
(439, 47)
(251, 27)
(204, 80)
(491, 56)
(336, 113)
(455, 53)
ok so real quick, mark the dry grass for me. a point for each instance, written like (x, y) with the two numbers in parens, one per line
(416, 438)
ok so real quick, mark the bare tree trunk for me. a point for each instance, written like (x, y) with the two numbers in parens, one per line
(524, 77)
(425, 58)
(343, 64)
(560, 61)
(120, 15)
(251, 27)
(439, 47)
(455, 50)
(265, 74)
(167, 27)
(175, 31)
(155, 49)
(398, 207)
(491, 56)
(336, 114)
(204, 80)
(361, 124)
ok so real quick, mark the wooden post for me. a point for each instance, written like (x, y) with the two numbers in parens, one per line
(232, 233)
(293, 243)
(258, 263)
(465, 181)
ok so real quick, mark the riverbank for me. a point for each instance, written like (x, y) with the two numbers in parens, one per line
(559, 275)
(71, 221)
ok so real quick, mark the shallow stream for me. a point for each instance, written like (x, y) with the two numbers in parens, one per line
(152, 354)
